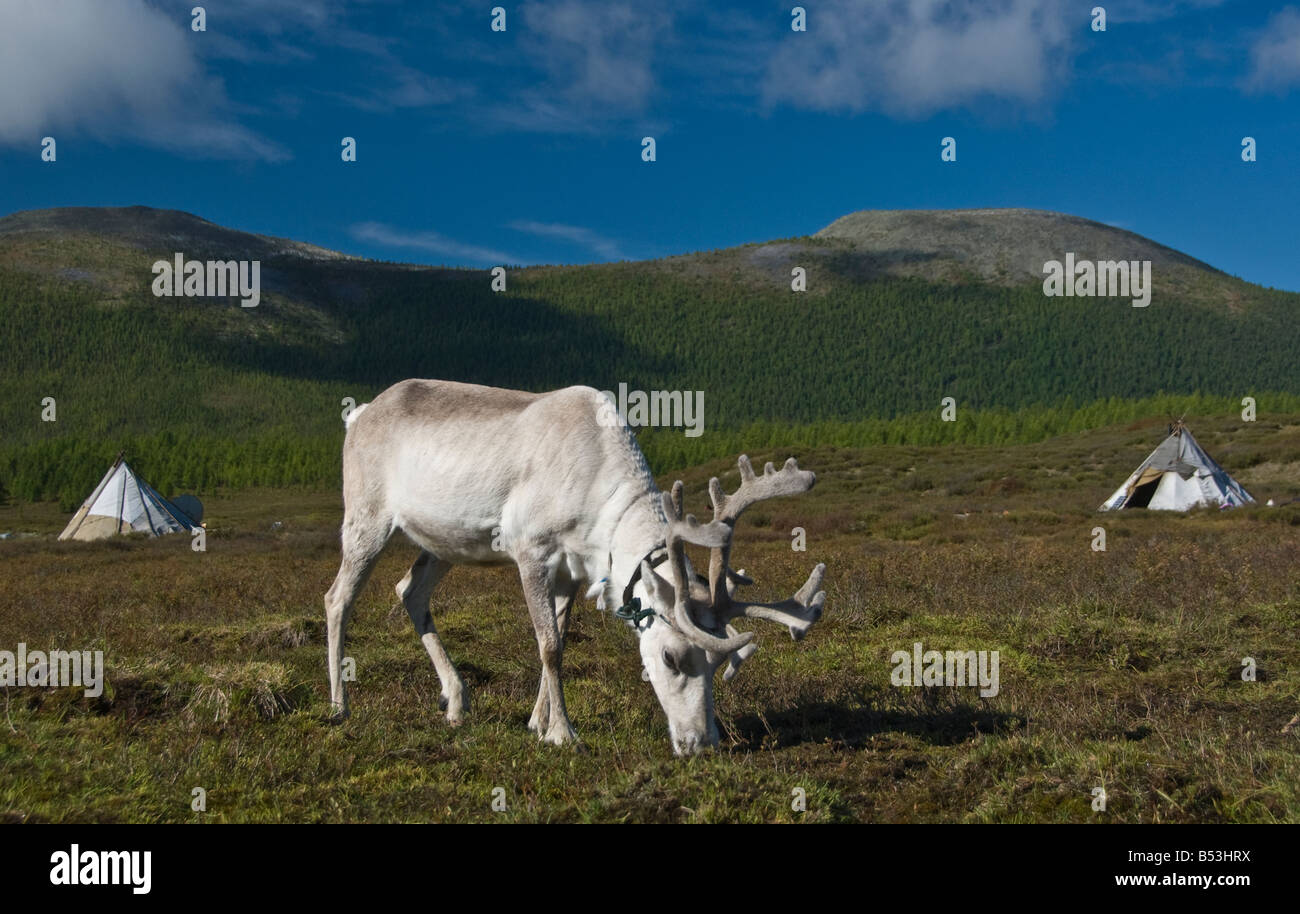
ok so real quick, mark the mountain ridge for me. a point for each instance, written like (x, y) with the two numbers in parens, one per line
(937, 245)
(225, 395)
(130, 222)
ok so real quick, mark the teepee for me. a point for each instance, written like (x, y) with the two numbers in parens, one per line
(1176, 477)
(125, 503)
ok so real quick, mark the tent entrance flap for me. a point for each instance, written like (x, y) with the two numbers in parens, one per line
(1148, 475)
(1140, 496)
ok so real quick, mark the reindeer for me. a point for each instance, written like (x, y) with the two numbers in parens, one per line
(556, 484)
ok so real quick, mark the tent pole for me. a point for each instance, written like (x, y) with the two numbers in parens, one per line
(121, 504)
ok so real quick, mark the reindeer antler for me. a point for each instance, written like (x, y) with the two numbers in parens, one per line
(737, 657)
(683, 530)
(727, 508)
(678, 489)
(798, 613)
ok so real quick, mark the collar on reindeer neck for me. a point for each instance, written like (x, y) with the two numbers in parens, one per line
(631, 610)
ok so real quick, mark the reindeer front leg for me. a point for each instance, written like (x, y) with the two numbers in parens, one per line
(554, 727)
(540, 718)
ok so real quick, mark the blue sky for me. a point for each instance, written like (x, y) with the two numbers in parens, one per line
(478, 147)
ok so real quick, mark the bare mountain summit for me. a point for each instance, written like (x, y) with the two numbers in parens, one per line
(1000, 245)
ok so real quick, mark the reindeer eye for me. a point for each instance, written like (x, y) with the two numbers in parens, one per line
(671, 662)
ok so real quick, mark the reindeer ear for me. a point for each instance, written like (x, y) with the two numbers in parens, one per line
(660, 590)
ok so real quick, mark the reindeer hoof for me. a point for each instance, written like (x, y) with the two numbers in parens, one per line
(561, 733)
(540, 720)
(456, 708)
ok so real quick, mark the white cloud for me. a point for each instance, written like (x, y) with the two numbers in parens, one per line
(1275, 56)
(576, 234)
(914, 57)
(113, 70)
(430, 243)
(596, 61)
(596, 51)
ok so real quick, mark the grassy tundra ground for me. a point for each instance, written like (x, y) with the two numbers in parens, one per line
(1119, 669)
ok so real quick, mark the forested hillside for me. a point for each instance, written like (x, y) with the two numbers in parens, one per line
(202, 393)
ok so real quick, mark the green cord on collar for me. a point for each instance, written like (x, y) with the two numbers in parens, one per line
(634, 613)
(631, 610)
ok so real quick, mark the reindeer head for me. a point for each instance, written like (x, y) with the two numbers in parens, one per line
(686, 632)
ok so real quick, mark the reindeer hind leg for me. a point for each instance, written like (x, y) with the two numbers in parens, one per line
(363, 540)
(415, 591)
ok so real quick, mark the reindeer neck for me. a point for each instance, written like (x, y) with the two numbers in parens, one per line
(642, 527)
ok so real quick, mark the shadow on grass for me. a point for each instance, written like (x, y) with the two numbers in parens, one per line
(854, 726)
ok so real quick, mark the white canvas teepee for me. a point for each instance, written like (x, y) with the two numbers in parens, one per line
(124, 503)
(1178, 476)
